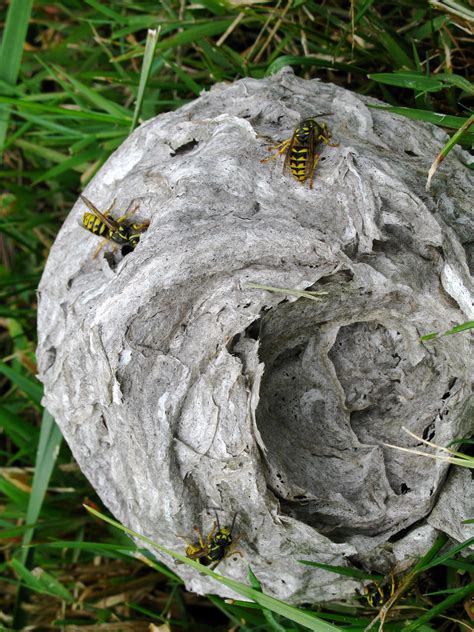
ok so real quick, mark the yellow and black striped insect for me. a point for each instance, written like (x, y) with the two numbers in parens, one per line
(216, 546)
(116, 230)
(377, 593)
(300, 150)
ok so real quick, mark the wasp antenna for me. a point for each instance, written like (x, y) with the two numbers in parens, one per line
(324, 114)
(217, 519)
(233, 522)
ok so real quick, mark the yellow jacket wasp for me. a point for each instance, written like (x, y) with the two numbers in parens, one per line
(216, 546)
(116, 230)
(300, 150)
(377, 593)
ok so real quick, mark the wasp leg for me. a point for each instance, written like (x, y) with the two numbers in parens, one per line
(140, 228)
(102, 244)
(371, 598)
(211, 533)
(325, 140)
(128, 213)
(279, 150)
(201, 540)
(380, 591)
(99, 248)
(392, 584)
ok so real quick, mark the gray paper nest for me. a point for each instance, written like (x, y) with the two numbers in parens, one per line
(182, 391)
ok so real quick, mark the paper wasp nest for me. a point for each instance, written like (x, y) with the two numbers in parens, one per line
(182, 391)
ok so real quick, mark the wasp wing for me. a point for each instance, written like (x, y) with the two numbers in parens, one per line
(311, 156)
(108, 221)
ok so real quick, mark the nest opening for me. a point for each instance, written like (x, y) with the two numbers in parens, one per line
(330, 396)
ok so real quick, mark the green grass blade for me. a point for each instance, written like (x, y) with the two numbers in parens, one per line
(79, 162)
(429, 556)
(439, 608)
(47, 525)
(63, 111)
(458, 81)
(195, 33)
(30, 280)
(393, 48)
(215, 6)
(30, 387)
(239, 611)
(41, 582)
(188, 34)
(150, 47)
(98, 548)
(464, 461)
(448, 554)
(112, 551)
(27, 241)
(86, 93)
(459, 565)
(107, 11)
(422, 83)
(121, 551)
(48, 448)
(431, 336)
(186, 79)
(20, 431)
(269, 618)
(454, 330)
(428, 27)
(18, 497)
(306, 619)
(443, 120)
(455, 138)
(11, 52)
(411, 80)
(39, 150)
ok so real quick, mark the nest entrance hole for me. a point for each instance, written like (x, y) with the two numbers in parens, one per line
(327, 401)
